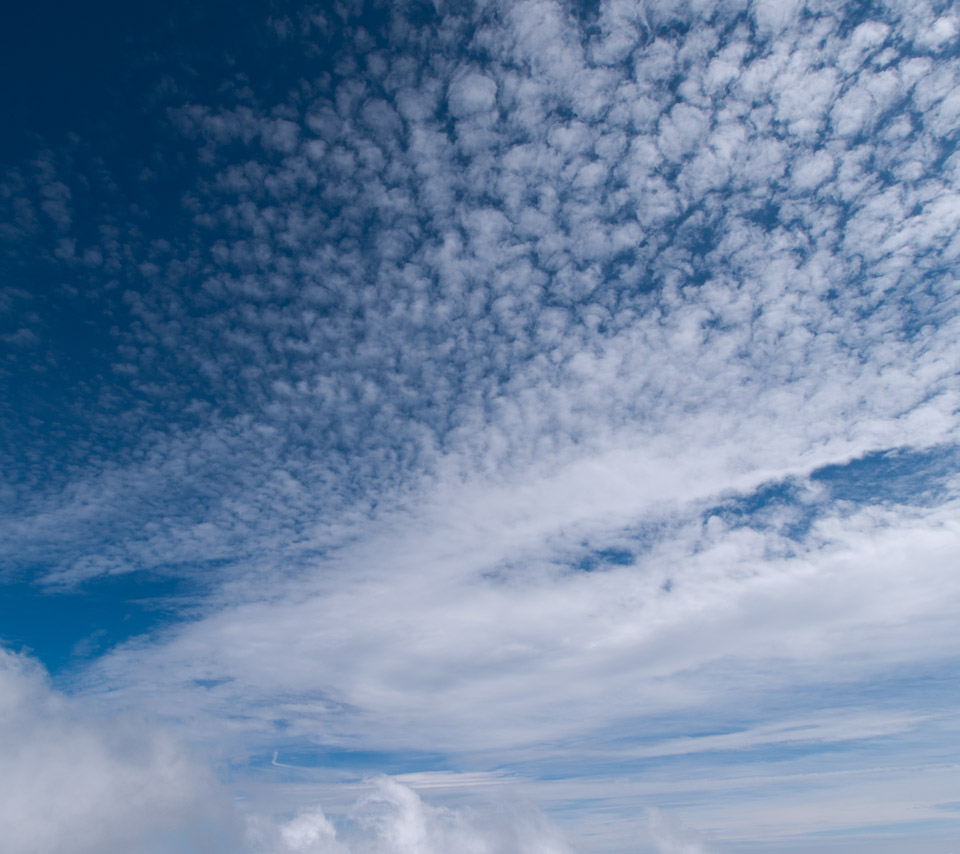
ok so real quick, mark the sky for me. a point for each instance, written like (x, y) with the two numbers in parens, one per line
(522, 427)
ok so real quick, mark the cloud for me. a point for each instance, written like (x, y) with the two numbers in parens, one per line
(76, 781)
(465, 660)
(402, 823)
(390, 818)
(472, 93)
(669, 837)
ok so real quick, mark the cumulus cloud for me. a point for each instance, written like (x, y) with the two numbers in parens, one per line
(400, 823)
(74, 780)
(391, 818)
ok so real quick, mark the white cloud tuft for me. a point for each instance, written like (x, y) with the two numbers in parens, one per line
(391, 818)
(472, 93)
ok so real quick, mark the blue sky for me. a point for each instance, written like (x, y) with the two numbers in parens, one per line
(512, 428)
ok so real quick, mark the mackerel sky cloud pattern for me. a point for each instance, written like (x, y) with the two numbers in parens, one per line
(484, 427)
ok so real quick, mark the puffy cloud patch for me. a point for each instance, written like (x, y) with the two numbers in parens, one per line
(73, 780)
(472, 93)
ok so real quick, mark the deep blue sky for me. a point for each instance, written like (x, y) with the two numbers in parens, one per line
(550, 407)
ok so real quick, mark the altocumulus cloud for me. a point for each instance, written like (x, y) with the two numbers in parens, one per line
(519, 390)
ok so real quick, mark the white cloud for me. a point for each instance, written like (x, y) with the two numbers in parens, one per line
(466, 659)
(774, 17)
(942, 31)
(387, 817)
(472, 93)
(75, 781)
(669, 837)
(810, 172)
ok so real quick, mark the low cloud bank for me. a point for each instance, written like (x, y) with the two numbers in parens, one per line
(393, 819)
(73, 780)
(78, 781)
(670, 837)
